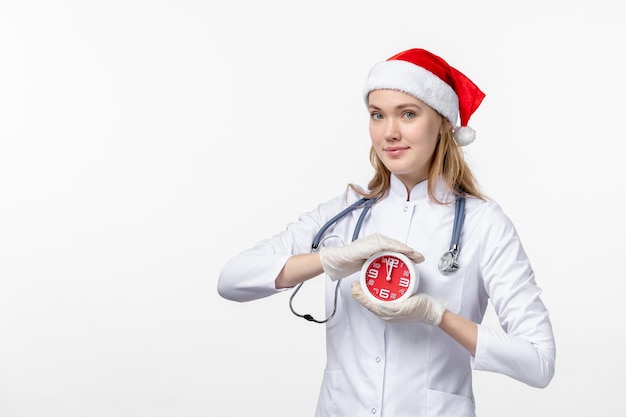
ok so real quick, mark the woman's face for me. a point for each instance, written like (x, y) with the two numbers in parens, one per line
(404, 134)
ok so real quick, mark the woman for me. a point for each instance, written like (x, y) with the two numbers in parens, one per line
(412, 357)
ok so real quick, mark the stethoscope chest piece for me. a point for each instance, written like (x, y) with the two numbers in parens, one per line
(447, 262)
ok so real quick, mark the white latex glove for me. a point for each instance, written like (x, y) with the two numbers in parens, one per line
(419, 307)
(339, 262)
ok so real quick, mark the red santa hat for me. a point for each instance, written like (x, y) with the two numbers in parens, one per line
(432, 80)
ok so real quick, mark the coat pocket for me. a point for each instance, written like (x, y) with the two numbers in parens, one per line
(444, 404)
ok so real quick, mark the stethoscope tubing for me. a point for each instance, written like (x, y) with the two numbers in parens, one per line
(367, 204)
(459, 218)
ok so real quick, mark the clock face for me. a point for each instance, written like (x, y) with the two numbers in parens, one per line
(389, 276)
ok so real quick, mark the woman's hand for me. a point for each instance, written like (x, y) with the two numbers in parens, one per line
(418, 308)
(339, 262)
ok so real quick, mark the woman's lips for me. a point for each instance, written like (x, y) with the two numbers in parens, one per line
(395, 150)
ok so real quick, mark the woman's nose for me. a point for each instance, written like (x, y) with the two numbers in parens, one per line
(391, 130)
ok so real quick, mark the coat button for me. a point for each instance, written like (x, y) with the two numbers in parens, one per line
(374, 411)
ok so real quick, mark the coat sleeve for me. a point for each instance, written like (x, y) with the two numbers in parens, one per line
(251, 274)
(524, 348)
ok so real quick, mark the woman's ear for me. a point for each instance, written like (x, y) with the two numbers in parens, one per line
(441, 128)
(442, 124)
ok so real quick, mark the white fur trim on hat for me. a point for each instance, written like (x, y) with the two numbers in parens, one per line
(416, 81)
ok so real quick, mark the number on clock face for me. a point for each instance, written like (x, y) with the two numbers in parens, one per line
(372, 273)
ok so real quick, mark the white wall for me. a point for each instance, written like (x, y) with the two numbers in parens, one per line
(144, 143)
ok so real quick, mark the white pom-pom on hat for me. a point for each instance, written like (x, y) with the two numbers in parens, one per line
(463, 135)
(432, 80)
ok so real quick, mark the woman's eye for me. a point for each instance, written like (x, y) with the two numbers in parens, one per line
(376, 116)
(409, 114)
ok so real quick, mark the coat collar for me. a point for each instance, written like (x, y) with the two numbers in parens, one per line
(420, 191)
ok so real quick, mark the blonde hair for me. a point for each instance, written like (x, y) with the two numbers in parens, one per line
(448, 162)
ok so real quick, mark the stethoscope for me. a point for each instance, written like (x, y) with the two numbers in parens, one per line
(447, 263)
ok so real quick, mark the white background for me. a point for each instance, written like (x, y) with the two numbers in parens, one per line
(144, 143)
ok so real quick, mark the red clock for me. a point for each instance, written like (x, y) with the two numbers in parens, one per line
(389, 276)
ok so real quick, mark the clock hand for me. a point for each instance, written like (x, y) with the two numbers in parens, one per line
(389, 268)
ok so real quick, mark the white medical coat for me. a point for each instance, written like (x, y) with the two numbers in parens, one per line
(385, 369)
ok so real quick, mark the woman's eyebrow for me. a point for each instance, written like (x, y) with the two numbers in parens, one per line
(398, 107)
